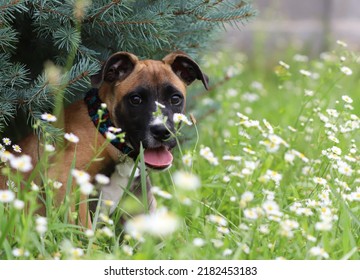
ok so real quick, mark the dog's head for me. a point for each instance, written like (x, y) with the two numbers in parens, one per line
(142, 97)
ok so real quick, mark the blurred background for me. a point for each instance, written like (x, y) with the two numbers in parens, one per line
(310, 26)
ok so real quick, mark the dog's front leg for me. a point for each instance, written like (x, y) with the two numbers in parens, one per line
(137, 189)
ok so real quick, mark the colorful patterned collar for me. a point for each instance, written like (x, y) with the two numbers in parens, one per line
(104, 125)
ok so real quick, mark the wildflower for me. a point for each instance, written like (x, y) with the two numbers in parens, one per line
(71, 137)
(108, 203)
(110, 136)
(186, 181)
(283, 64)
(206, 153)
(86, 188)
(250, 167)
(76, 253)
(34, 187)
(304, 211)
(217, 219)
(16, 148)
(286, 232)
(19, 252)
(177, 118)
(187, 160)
(102, 179)
(106, 219)
(249, 151)
(250, 123)
(274, 176)
(264, 229)
(223, 230)
(336, 150)
(241, 116)
(232, 71)
(41, 225)
(234, 158)
(227, 252)
(318, 252)
(19, 204)
(48, 117)
(49, 148)
(277, 140)
(271, 208)
(333, 139)
(251, 214)
(344, 168)
(57, 185)
(226, 179)
(270, 195)
(325, 225)
(311, 238)
(247, 196)
(217, 243)
(160, 223)
(198, 242)
(245, 248)
(159, 192)
(250, 97)
(305, 73)
(257, 85)
(309, 92)
(89, 233)
(243, 226)
(346, 70)
(320, 181)
(6, 141)
(6, 156)
(341, 43)
(22, 163)
(355, 196)
(80, 176)
(107, 232)
(301, 58)
(268, 126)
(114, 130)
(333, 113)
(185, 201)
(128, 250)
(232, 92)
(289, 157)
(159, 105)
(290, 224)
(347, 99)
(6, 196)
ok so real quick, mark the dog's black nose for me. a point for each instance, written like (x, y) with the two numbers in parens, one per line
(160, 132)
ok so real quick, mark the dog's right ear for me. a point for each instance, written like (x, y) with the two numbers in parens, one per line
(116, 68)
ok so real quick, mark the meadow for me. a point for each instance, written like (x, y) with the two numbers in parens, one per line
(267, 168)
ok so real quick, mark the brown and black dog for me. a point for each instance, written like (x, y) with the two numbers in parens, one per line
(132, 90)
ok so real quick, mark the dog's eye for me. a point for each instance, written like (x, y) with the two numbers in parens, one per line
(135, 100)
(176, 99)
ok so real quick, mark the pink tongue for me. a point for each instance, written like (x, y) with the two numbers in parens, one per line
(158, 158)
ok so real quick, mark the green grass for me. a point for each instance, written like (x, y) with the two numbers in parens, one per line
(282, 179)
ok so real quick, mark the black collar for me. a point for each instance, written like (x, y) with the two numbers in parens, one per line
(93, 103)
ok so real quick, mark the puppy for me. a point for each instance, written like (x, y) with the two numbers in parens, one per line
(138, 97)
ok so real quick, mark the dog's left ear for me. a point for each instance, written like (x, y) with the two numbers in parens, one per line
(186, 68)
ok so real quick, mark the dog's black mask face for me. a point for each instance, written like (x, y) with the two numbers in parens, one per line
(146, 116)
(143, 96)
